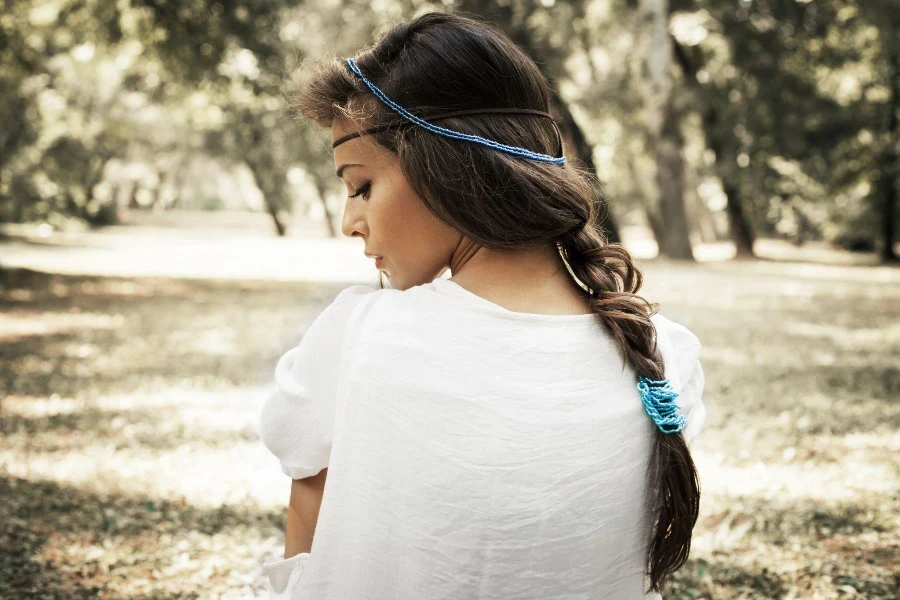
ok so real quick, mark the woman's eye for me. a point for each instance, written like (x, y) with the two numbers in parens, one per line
(362, 190)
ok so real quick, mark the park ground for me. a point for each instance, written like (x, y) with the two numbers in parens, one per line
(130, 465)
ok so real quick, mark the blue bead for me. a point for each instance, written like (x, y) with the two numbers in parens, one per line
(515, 150)
(659, 402)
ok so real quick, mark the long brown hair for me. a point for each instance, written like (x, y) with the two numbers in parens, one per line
(441, 62)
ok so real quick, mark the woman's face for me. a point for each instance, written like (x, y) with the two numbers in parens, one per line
(385, 212)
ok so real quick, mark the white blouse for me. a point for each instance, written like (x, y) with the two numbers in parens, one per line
(473, 452)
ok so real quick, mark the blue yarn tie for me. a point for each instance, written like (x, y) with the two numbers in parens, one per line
(515, 150)
(659, 402)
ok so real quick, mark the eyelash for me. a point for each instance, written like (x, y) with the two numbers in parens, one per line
(362, 189)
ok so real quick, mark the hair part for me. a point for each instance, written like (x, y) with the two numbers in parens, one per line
(440, 62)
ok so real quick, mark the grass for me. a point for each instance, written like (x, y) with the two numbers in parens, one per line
(130, 466)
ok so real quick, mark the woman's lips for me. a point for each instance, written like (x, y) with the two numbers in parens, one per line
(377, 258)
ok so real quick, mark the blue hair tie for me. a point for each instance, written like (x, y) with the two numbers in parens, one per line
(515, 150)
(659, 402)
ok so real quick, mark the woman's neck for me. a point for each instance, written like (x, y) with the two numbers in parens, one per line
(534, 280)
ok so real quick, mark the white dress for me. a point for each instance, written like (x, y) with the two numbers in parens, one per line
(473, 452)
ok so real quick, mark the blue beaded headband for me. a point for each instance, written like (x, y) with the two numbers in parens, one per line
(515, 150)
(659, 402)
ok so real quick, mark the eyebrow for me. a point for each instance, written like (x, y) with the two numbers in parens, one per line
(340, 171)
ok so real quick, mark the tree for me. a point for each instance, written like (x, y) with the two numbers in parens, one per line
(794, 97)
(720, 141)
(890, 172)
(663, 125)
(549, 46)
(885, 15)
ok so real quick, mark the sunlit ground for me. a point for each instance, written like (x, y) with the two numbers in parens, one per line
(130, 464)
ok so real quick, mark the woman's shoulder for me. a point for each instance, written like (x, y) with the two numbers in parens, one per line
(680, 350)
(679, 346)
(352, 296)
(675, 333)
(358, 293)
(354, 293)
(357, 302)
(332, 320)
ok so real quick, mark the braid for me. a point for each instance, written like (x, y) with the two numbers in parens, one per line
(613, 281)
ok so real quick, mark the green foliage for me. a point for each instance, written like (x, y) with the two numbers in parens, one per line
(801, 89)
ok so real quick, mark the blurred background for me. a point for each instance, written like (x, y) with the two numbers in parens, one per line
(168, 229)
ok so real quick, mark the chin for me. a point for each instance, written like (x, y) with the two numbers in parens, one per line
(398, 282)
(406, 279)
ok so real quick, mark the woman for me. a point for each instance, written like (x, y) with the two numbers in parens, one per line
(509, 432)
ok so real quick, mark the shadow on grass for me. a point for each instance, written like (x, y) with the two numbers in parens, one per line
(721, 578)
(35, 512)
(780, 522)
(766, 548)
(131, 428)
(837, 400)
(704, 579)
(90, 336)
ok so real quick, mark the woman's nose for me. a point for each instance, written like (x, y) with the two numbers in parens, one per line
(353, 223)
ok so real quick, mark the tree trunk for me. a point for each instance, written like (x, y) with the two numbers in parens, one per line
(584, 154)
(280, 227)
(890, 164)
(107, 213)
(654, 220)
(675, 242)
(329, 219)
(132, 196)
(663, 129)
(738, 227)
(889, 213)
(272, 193)
(270, 179)
(698, 214)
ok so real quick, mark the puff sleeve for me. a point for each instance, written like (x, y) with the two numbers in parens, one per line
(680, 349)
(297, 419)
